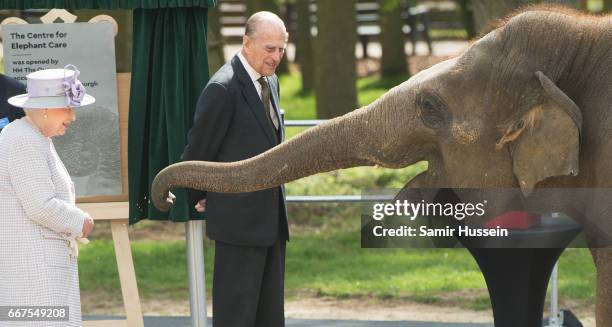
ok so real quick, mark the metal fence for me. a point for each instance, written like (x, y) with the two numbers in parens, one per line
(320, 198)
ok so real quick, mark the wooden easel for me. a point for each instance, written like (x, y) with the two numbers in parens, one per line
(114, 209)
(117, 214)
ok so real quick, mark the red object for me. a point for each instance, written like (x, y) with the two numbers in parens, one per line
(514, 220)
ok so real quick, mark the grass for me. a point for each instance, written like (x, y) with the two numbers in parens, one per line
(160, 268)
(298, 105)
(448, 34)
(331, 263)
(342, 269)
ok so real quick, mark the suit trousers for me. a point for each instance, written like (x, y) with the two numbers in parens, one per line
(248, 285)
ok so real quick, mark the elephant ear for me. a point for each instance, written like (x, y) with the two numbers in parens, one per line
(545, 141)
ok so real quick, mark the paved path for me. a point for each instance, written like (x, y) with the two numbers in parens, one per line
(186, 322)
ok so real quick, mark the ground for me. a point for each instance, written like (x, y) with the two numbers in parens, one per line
(332, 308)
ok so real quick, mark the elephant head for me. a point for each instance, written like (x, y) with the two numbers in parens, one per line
(494, 116)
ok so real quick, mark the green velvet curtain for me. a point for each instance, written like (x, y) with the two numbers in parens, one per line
(169, 70)
(104, 4)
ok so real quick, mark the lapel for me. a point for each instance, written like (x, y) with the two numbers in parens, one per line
(252, 98)
(276, 105)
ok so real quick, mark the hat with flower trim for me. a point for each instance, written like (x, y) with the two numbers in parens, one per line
(53, 88)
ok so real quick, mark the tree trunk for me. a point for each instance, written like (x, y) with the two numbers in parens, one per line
(487, 11)
(216, 56)
(253, 6)
(392, 39)
(123, 40)
(467, 16)
(304, 45)
(335, 72)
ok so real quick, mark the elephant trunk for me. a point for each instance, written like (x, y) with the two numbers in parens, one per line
(343, 142)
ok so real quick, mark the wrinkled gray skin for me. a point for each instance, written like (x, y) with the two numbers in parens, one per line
(527, 105)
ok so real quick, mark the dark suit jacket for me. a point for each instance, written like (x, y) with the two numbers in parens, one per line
(230, 125)
(8, 88)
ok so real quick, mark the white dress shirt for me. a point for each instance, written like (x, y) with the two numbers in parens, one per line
(254, 77)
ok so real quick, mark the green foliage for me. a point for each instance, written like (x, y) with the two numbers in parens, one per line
(598, 5)
(295, 104)
(446, 34)
(302, 106)
(372, 87)
(390, 5)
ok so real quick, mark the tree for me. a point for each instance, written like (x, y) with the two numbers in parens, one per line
(392, 38)
(304, 45)
(335, 72)
(216, 56)
(487, 11)
(253, 6)
(607, 5)
(467, 16)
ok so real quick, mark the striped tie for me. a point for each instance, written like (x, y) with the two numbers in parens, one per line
(265, 98)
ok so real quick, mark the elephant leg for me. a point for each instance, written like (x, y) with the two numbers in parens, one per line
(603, 263)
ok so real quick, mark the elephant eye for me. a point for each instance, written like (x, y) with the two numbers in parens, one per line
(432, 110)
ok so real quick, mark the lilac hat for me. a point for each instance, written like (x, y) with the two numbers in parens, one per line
(53, 88)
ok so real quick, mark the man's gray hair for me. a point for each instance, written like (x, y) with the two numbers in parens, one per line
(260, 17)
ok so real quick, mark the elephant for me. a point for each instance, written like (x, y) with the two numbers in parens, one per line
(526, 106)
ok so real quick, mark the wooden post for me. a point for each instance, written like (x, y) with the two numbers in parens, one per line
(117, 214)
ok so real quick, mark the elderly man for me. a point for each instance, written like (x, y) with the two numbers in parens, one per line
(238, 117)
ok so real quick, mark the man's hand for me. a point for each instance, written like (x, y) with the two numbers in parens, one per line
(201, 205)
(88, 226)
(171, 199)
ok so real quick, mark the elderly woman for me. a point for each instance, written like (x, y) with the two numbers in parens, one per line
(39, 221)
